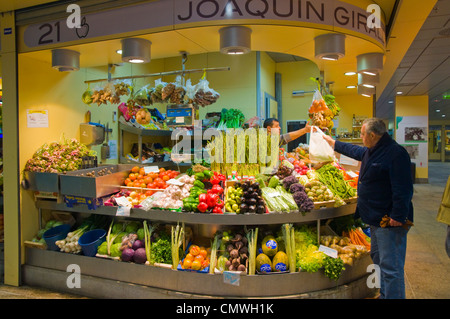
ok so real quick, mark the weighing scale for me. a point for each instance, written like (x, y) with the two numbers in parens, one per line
(181, 115)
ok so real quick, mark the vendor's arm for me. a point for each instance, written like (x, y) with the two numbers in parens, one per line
(290, 136)
(354, 151)
(402, 187)
(296, 134)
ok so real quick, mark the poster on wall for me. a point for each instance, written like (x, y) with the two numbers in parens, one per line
(37, 118)
(412, 133)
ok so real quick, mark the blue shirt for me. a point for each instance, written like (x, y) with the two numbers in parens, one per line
(385, 185)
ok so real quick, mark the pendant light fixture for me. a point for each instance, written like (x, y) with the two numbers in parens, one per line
(367, 80)
(65, 60)
(235, 40)
(136, 50)
(366, 91)
(330, 46)
(370, 63)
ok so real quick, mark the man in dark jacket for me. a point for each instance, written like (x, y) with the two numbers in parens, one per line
(385, 187)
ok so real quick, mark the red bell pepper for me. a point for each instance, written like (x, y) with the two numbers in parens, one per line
(217, 210)
(211, 199)
(220, 203)
(202, 207)
(202, 198)
(217, 189)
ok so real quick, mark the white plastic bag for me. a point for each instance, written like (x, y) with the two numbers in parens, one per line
(319, 149)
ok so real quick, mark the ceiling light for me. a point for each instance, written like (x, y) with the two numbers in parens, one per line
(399, 92)
(369, 63)
(366, 91)
(65, 60)
(349, 73)
(390, 102)
(438, 110)
(351, 86)
(136, 50)
(443, 115)
(330, 46)
(119, 51)
(235, 40)
(368, 80)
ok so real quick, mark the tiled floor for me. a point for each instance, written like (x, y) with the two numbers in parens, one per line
(427, 264)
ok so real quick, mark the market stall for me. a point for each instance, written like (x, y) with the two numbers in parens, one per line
(244, 227)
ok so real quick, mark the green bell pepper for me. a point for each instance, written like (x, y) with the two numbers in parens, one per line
(199, 176)
(199, 184)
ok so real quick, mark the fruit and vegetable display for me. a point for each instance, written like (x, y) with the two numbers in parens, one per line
(58, 157)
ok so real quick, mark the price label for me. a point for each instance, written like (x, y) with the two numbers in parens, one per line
(328, 251)
(123, 211)
(232, 277)
(151, 169)
(123, 201)
(352, 174)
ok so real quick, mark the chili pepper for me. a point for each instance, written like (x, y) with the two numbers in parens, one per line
(202, 207)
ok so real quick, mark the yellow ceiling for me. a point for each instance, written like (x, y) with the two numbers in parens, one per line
(11, 5)
(284, 39)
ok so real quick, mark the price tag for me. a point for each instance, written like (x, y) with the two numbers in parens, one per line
(328, 251)
(232, 277)
(123, 211)
(123, 201)
(151, 169)
(175, 182)
(352, 174)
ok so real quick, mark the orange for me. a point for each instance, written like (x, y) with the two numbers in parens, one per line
(187, 263)
(199, 258)
(189, 256)
(196, 265)
(203, 252)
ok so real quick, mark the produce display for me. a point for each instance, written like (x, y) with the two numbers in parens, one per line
(58, 157)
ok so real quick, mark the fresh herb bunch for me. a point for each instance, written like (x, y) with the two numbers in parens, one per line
(333, 267)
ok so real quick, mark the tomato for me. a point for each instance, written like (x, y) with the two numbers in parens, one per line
(140, 176)
(187, 263)
(151, 185)
(135, 169)
(130, 184)
(166, 178)
(153, 175)
(149, 193)
(132, 177)
(148, 179)
(205, 264)
(136, 184)
(127, 181)
(142, 171)
(162, 169)
(143, 185)
(158, 180)
(196, 265)
(194, 250)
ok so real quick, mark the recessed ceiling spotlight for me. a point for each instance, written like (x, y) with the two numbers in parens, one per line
(438, 111)
(351, 87)
(369, 86)
(119, 51)
(443, 115)
(399, 92)
(369, 73)
(349, 73)
(390, 102)
(366, 95)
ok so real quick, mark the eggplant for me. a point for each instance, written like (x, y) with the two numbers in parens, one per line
(243, 208)
(250, 190)
(251, 201)
(255, 185)
(260, 209)
(252, 208)
(254, 195)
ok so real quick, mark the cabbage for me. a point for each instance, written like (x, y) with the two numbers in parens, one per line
(141, 233)
(139, 256)
(127, 254)
(103, 249)
(115, 250)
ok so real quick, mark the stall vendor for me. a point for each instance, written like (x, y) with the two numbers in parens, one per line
(273, 125)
